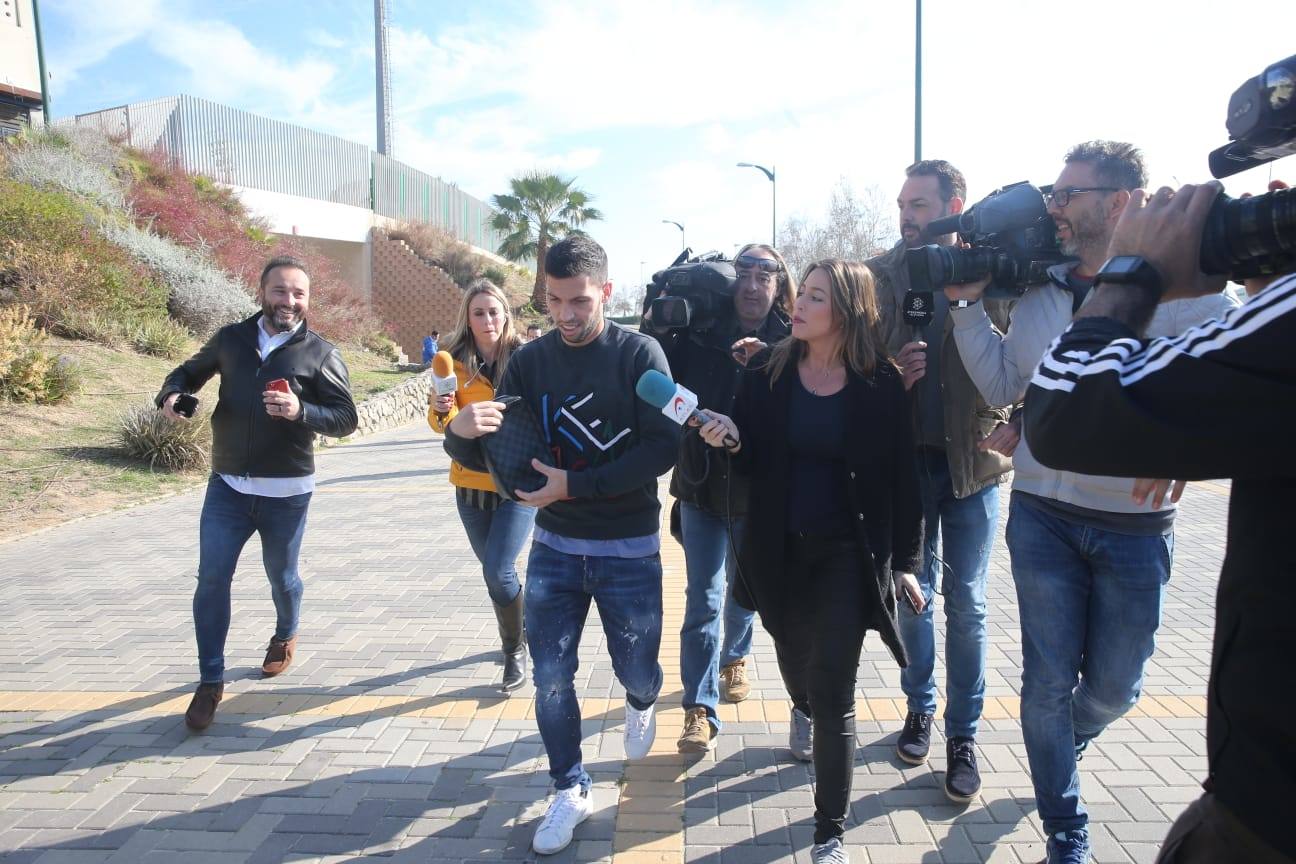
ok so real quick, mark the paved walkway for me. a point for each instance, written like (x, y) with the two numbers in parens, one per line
(386, 742)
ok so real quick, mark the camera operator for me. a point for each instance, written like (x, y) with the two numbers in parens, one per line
(1089, 560)
(1150, 397)
(704, 362)
(960, 490)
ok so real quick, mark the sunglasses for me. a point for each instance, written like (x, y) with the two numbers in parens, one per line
(765, 265)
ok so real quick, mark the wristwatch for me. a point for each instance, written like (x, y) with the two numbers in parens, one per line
(1129, 270)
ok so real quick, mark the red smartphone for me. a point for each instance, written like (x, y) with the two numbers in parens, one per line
(279, 384)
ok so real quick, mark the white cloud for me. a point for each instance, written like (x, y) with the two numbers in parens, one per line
(223, 65)
(99, 27)
(324, 39)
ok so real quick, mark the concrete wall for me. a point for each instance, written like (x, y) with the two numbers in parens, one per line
(308, 217)
(19, 65)
(412, 296)
(351, 259)
(392, 408)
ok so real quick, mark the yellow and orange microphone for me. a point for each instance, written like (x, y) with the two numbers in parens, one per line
(443, 375)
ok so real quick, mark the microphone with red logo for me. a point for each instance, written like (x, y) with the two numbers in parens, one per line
(676, 402)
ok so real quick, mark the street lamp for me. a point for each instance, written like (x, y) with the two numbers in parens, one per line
(918, 82)
(769, 173)
(683, 245)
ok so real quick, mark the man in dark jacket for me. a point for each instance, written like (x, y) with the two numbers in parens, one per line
(960, 479)
(280, 384)
(711, 501)
(1171, 408)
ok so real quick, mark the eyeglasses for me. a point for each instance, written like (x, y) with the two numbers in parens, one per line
(1062, 197)
(765, 265)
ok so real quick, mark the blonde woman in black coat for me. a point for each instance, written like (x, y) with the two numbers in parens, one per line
(822, 425)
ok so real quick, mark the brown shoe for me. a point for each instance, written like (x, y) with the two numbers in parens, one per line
(202, 708)
(699, 735)
(278, 657)
(733, 681)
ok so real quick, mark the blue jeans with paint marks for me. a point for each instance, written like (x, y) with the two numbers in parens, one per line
(559, 588)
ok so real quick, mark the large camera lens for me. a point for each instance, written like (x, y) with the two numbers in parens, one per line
(1247, 237)
(948, 265)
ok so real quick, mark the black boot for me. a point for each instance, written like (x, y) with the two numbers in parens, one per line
(513, 642)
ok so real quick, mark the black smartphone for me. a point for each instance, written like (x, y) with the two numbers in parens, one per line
(185, 404)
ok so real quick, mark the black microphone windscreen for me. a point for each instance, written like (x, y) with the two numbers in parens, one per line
(918, 308)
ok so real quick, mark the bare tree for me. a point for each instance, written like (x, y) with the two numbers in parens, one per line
(857, 227)
(625, 300)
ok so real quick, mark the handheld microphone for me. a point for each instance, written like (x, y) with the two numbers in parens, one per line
(444, 379)
(676, 402)
(918, 308)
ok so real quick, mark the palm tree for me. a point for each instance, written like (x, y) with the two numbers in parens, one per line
(540, 209)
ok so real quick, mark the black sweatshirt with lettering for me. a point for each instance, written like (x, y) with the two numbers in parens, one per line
(613, 445)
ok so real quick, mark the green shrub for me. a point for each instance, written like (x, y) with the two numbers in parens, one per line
(146, 434)
(55, 261)
(160, 337)
(90, 325)
(77, 165)
(382, 345)
(63, 380)
(29, 373)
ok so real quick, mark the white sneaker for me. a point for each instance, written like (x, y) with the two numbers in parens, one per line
(832, 852)
(569, 808)
(640, 730)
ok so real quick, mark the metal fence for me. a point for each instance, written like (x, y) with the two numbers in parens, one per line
(402, 192)
(244, 149)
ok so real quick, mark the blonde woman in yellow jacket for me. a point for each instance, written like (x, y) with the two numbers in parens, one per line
(484, 337)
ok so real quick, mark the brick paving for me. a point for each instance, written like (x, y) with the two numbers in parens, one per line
(386, 741)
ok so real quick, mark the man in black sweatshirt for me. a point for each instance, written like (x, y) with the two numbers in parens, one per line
(597, 531)
(1217, 401)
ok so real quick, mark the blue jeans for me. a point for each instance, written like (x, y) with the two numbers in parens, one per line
(227, 522)
(710, 570)
(1090, 603)
(496, 537)
(559, 588)
(964, 527)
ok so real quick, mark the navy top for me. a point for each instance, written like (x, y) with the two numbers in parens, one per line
(817, 500)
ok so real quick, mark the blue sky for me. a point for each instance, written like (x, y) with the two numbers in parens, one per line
(650, 105)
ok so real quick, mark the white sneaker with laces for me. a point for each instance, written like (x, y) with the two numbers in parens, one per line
(832, 852)
(640, 730)
(569, 808)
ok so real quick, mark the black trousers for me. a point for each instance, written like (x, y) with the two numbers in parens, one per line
(1208, 833)
(819, 658)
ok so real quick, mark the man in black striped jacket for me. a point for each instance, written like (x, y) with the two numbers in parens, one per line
(1217, 401)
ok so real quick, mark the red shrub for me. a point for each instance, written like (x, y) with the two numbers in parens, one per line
(193, 211)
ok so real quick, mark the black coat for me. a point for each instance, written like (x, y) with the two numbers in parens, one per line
(702, 363)
(245, 439)
(881, 479)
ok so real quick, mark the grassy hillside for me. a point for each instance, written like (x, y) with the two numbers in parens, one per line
(58, 462)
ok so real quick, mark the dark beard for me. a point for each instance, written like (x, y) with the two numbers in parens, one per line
(275, 323)
(588, 330)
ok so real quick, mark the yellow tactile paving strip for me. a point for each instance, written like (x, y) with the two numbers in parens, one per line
(650, 809)
(491, 708)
